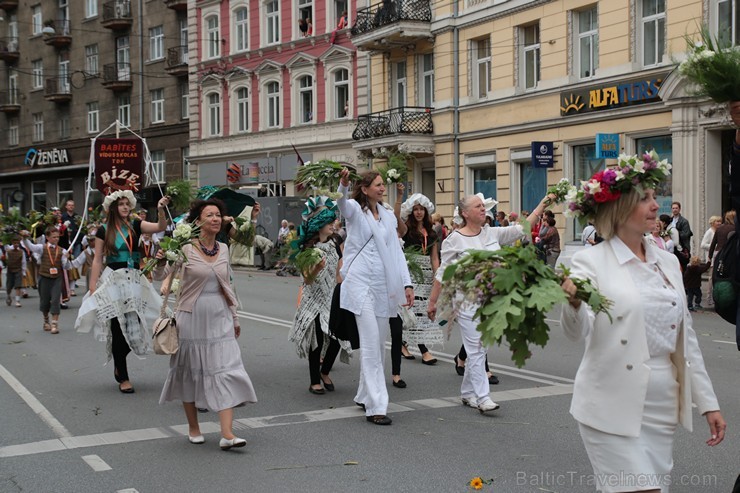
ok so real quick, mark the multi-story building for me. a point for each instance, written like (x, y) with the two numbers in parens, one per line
(507, 73)
(71, 69)
(269, 75)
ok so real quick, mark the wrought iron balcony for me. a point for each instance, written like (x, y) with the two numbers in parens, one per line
(177, 61)
(9, 50)
(8, 5)
(10, 102)
(392, 23)
(117, 15)
(117, 76)
(177, 4)
(394, 122)
(58, 89)
(61, 37)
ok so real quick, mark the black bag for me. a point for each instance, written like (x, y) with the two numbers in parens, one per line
(342, 323)
(724, 284)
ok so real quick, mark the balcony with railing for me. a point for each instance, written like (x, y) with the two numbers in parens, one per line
(58, 89)
(177, 61)
(8, 5)
(176, 4)
(61, 37)
(9, 50)
(117, 15)
(10, 102)
(117, 76)
(392, 23)
(401, 127)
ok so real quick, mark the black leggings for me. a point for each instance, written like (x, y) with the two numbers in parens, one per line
(315, 367)
(396, 343)
(463, 355)
(120, 350)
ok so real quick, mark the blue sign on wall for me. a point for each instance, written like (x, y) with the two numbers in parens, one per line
(607, 146)
(543, 155)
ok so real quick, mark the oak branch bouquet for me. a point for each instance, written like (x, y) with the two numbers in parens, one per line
(711, 66)
(245, 231)
(172, 248)
(322, 177)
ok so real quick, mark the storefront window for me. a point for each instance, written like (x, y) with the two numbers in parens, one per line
(484, 181)
(584, 166)
(38, 196)
(664, 147)
(533, 185)
(64, 191)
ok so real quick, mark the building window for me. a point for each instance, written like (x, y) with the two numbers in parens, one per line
(426, 82)
(36, 20)
(93, 117)
(156, 43)
(38, 195)
(273, 104)
(242, 109)
(12, 87)
(341, 93)
(653, 32)
(13, 132)
(91, 8)
(182, 28)
(37, 74)
(91, 59)
(158, 168)
(484, 181)
(124, 109)
(184, 100)
(38, 127)
(663, 145)
(305, 18)
(305, 97)
(530, 56)
(532, 185)
(123, 58)
(213, 37)
(157, 105)
(341, 19)
(272, 22)
(214, 114)
(481, 76)
(398, 89)
(65, 190)
(185, 163)
(727, 25)
(12, 32)
(587, 48)
(584, 167)
(241, 29)
(64, 125)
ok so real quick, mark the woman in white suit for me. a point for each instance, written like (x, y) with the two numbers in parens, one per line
(375, 283)
(641, 371)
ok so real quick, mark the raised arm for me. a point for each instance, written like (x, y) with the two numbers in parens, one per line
(161, 224)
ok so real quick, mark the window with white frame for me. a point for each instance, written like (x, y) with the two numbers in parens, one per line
(158, 168)
(272, 22)
(241, 29)
(340, 93)
(37, 74)
(182, 29)
(652, 31)
(242, 109)
(272, 90)
(12, 32)
(214, 114)
(727, 24)
(124, 109)
(65, 190)
(426, 80)
(305, 17)
(13, 131)
(157, 109)
(530, 56)
(91, 8)
(13, 87)
(481, 173)
(398, 87)
(36, 20)
(93, 117)
(64, 124)
(587, 46)
(38, 195)
(38, 127)
(185, 152)
(305, 99)
(481, 66)
(91, 59)
(184, 99)
(340, 15)
(584, 167)
(156, 43)
(213, 37)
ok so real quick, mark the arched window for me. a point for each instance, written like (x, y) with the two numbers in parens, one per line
(241, 26)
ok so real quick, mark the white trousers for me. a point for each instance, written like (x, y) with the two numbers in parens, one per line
(475, 380)
(373, 333)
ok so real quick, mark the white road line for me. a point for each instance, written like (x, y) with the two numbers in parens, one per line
(96, 463)
(209, 427)
(35, 405)
(128, 490)
(725, 342)
(264, 319)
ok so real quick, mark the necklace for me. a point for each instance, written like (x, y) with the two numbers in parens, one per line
(210, 253)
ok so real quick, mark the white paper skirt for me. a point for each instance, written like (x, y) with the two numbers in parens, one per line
(645, 462)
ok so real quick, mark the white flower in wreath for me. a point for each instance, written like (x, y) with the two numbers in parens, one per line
(183, 231)
(119, 194)
(393, 175)
(172, 256)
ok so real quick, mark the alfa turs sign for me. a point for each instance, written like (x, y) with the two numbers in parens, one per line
(42, 157)
(629, 92)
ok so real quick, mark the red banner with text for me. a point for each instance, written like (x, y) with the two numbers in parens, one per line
(118, 164)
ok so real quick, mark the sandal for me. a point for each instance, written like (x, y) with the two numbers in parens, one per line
(54, 327)
(47, 327)
(379, 420)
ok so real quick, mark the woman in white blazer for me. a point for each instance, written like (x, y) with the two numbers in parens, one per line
(375, 283)
(642, 370)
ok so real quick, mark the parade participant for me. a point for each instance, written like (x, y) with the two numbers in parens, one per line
(126, 300)
(310, 332)
(207, 370)
(376, 282)
(474, 234)
(15, 266)
(642, 366)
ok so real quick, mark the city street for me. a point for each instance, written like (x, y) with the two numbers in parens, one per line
(66, 428)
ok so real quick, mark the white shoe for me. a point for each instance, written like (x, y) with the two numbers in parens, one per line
(197, 440)
(469, 401)
(233, 443)
(487, 405)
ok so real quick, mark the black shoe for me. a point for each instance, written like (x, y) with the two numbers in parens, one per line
(316, 391)
(429, 362)
(410, 356)
(63, 306)
(202, 409)
(360, 404)
(400, 384)
(379, 420)
(129, 390)
(328, 386)
(493, 380)
(459, 369)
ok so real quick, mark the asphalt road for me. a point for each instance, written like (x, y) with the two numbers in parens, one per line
(66, 428)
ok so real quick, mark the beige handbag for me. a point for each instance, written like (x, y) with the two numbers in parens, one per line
(165, 338)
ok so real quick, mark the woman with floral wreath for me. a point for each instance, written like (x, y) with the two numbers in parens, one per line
(642, 367)
(310, 332)
(119, 294)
